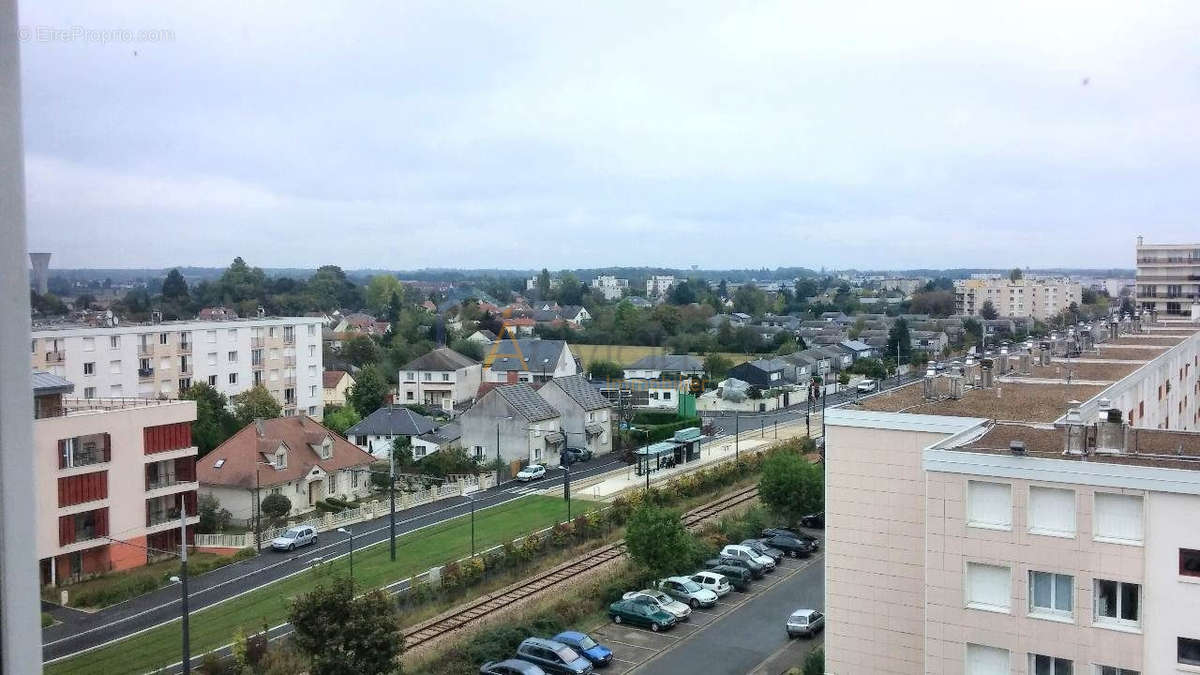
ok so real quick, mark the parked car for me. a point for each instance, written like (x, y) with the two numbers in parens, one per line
(663, 601)
(795, 534)
(797, 548)
(583, 643)
(295, 537)
(641, 614)
(754, 569)
(531, 472)
(510, 667)
(866, 386)
(806, 622)
(814, 520)
(687, 591)
(747, 553)
(713, 581)
(760, 547)
(553, 657)
(572, 455)
(738, 577)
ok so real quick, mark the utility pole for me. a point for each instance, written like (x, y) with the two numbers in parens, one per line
(392, 494)
(472, 498)
(736, 431)
(183, 585)
(257, 510)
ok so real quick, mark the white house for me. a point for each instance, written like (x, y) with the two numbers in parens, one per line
(665, 366)
(585, 413)
(377, 431)
(528, 360)
(440, 378)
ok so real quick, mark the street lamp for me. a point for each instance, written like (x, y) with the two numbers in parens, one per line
(183, 588)
(472, 498)
(351, 535)
(258, 501)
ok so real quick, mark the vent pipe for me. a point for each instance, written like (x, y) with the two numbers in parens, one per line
(1076, 432)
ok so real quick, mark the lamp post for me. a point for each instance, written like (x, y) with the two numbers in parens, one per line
(736, 431)
(472, 498)
(258, 502)
(392, 497)
(351, 535)
(183, 588)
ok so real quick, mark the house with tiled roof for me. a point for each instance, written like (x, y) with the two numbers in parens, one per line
(296, 457)
(376, 432)
(440, 378)
(444, 437)
(527, 360)
(336, 383)
(669, 366)
(514, 423)
(586, 415)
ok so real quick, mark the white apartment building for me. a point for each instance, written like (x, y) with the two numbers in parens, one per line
(658, 285)
(1038, 298)
(1168, 278)
(611, 287)
(1060, 540)
(163, 359)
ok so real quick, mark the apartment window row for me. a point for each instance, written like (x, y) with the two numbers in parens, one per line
(1052, 595)
(1116, 518)
(985, 660)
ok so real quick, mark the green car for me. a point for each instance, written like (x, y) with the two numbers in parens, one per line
(640, 614)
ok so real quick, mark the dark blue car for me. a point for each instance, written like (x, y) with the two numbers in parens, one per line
(593, 651)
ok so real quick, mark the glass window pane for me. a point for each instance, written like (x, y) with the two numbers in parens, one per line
(1041, 665)
(1062, 592)
(1062, 667)
(1106, 598)
(1041, 589)
(1129, 602)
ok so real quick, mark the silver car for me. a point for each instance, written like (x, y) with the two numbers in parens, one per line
(662, 601)
(687, 591)
(806, 622)
(294, 538)
(713, 581)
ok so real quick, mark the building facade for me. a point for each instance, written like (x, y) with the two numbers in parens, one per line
(586, 414)
(1168, 278)
(111, 477)
(514, 424)
(658, 285)
(1038, 298)
(610, 287)
(441, 379)
(165, 359)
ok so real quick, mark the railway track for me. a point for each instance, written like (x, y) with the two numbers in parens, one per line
(544, 581)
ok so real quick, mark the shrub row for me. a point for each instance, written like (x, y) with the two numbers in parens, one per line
(652, 433)
(133, 584)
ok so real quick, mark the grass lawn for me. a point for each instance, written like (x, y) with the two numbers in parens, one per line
(627, 354)
(415, 552)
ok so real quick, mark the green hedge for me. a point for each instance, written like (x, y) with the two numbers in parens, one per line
(652, 417)
(653, 433)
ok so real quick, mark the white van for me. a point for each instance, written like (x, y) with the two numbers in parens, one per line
(747, 553)
(867, 386)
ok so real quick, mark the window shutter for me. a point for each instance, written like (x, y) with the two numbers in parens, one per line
(1052, 511)
(989, 504)
(66, 530)
(102, 522)
(982, 660)
(988, 585)
(1118, 516)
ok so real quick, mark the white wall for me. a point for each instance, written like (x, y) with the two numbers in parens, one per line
(1170, 603)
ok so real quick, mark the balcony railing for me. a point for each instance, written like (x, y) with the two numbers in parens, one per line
(164, 481)
(289, 360)
(160, 516)
(256, 342)
(145, 348)
(55, 357)
(185, 347)
(145, 373)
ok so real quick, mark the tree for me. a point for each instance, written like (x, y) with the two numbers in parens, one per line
(988, 311)
(937, 303)
(973, 331)
(899, 342)
(468, 348)
(860, 324)
(543, 284)
(175, 287)
(603, 369)
(1015, 274)
(361, 350)
(380, 290)
(814, 663)
(368, 392)
(275, 507)
(872, 368)
(792, 486)
(344, 635)
(255, 403)
(682, 293)
(754, 392)
(749, 299)
(214, 423)
(717, 366)
(570, 290)
(340, 418)
(213, 518)
(658, 541)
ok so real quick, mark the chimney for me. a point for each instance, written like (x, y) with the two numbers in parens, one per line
(929, 385)
(956, 387)
(1076, 431)
(1017, 448)
(985, 375)
(1110, 429)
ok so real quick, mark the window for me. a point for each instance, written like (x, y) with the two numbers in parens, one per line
(666, 396)
(312, 371)
(1189, 651)
(212, 358)
(211, 335)
(89, 344)
(1040, 664)
(312, 329)
(231, 357)
(89, 368)
(312, 390)
(212, 380)
(312, 411)
(162, 338)
(1112, 670)
(233, 378)
(114, 342)
(428, 376)
(326, 449)
(232, 333)
(114, 367)
(1052, 511)
(165, 363)
(445, 377)
(989, 587)
(1117, 603)
(312, 350)
(1051, 593)
(1118, 518)
(1189, 562)
(354, 479)
(408, 395)
(89, 392)
(983, 660)
(989, 505)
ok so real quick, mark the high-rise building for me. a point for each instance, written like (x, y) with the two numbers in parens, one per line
(658, 285)
(611, 287)
(1168, 278)
(41, 272)
(164, 359)
(1038, 298)
(1032, 513)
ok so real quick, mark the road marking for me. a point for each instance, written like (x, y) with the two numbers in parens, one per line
(630, 644)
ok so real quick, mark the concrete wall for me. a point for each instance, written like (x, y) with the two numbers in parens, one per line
(1178, 406)
(575, 418)
(1170, 602)
(519, 439)
(462, 385)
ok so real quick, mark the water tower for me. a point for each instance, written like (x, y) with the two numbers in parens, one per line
(41, 272)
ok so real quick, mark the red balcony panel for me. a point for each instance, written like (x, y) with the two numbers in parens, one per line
(167, 437)
(185, 469)
(87, 487)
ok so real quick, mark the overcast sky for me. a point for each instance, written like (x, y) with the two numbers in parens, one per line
(579, 134)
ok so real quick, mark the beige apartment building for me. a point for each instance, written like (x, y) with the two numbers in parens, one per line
(1040, 517)
(1037, 298)
(1168, 278)
(160, 360)
(111, 476)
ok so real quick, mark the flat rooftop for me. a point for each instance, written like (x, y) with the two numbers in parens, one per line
(1148, 340)
(1057, 370)
(1014, 401)
(1128, 353)
(1147, 447)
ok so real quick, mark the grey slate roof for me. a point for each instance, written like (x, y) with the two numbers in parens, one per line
(536, 354)
(768, 365)
(527, 402)
(443, 434)
(855, 345)
(581, 391)
(442, 358)
(671, 362)
(45, 383)
(394, 420)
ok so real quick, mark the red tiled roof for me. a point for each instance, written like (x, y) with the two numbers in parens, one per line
(258, 441)
(332, 377)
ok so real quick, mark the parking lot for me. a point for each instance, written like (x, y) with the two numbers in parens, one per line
(641, 650)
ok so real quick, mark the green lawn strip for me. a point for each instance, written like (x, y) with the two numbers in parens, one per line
(415, 553)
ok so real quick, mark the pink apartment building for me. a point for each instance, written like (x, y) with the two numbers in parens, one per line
(111, 478)
(1010, 522)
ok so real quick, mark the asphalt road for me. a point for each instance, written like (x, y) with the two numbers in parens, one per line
(740, 640)
(80, 630)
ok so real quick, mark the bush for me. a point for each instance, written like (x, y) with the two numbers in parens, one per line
(276, 507)
(325, 507)
(652, 417)
(123, 589)
(652, 433)
(814, 663)
(47, 620)
(340, 503)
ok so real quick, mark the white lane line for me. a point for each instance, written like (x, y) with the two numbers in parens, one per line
(632, 663)
(630, 644)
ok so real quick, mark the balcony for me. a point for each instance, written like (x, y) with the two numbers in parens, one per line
(158, 516)
(185, 347)
(289, 360)
(56, 357)
(256, 342)
(145, 349)
(145, 373)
